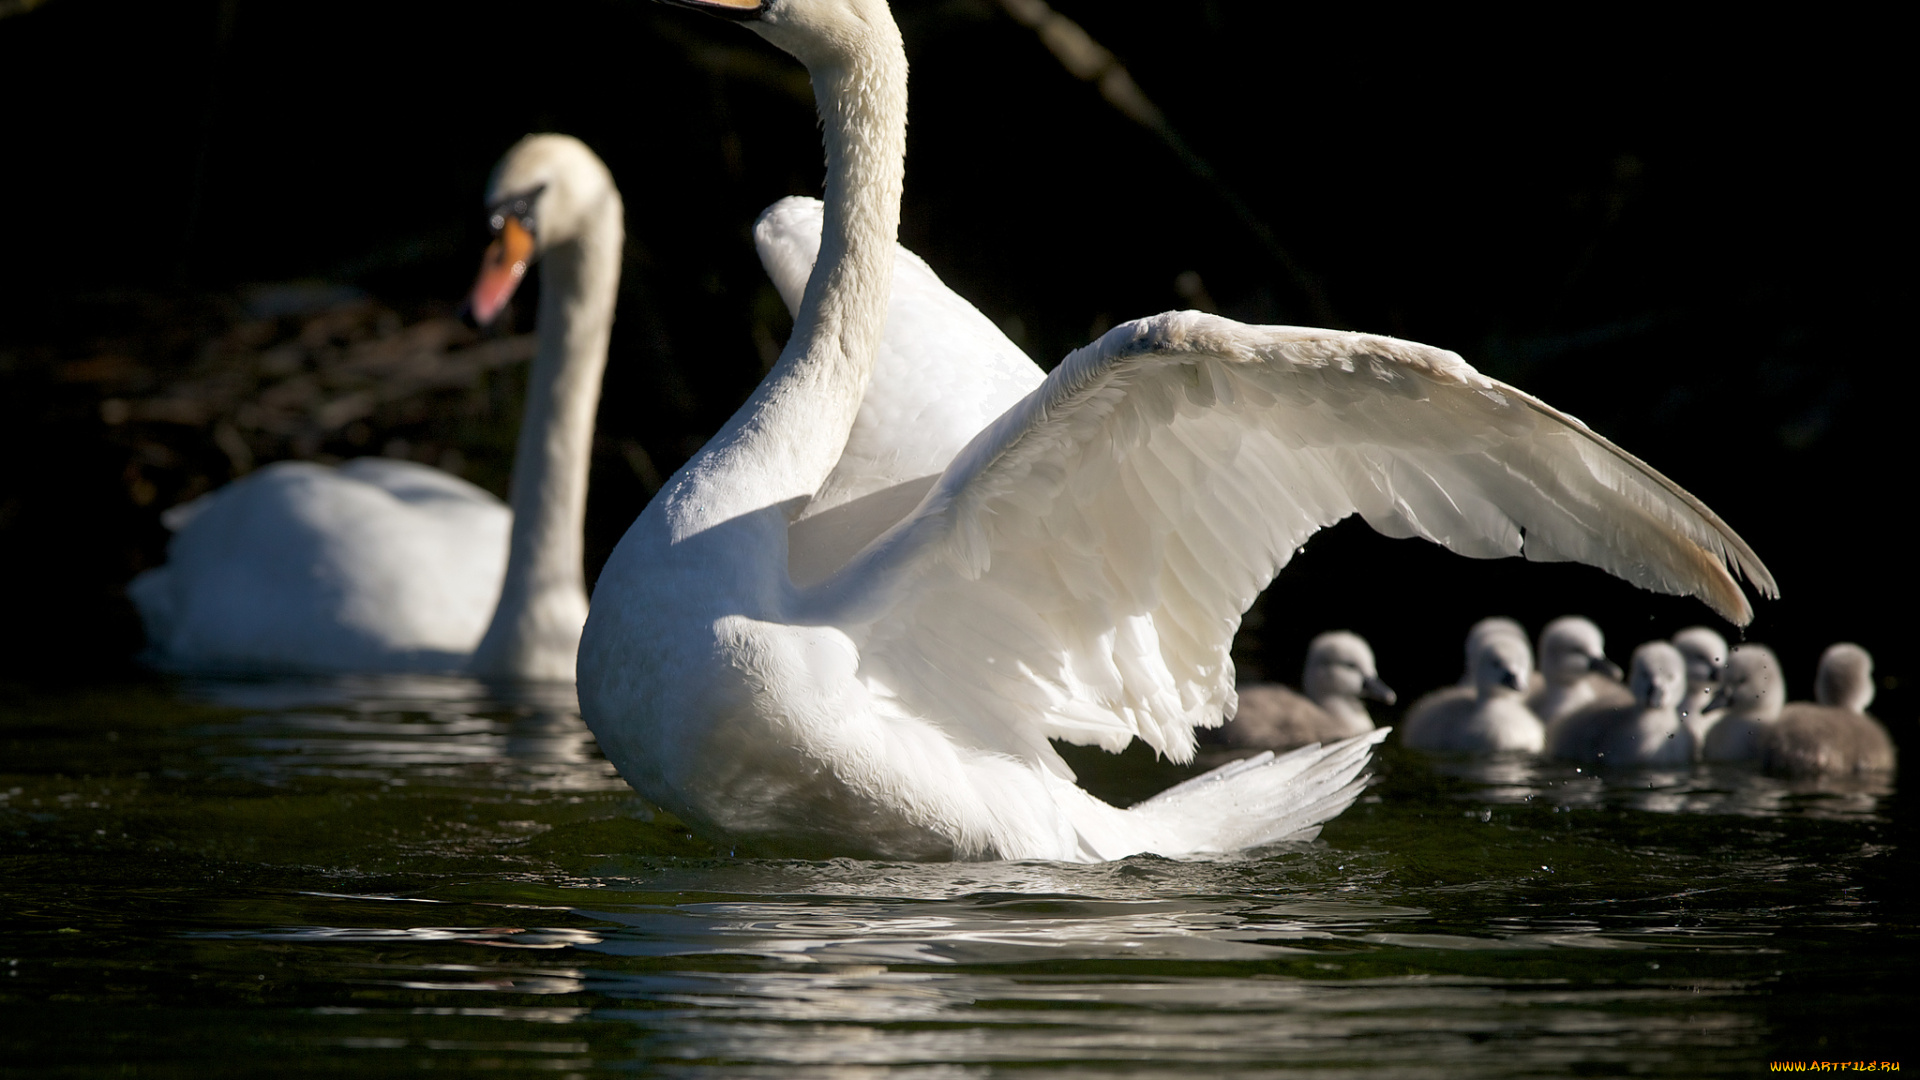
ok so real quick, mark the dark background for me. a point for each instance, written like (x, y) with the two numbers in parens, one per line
(1688, 236)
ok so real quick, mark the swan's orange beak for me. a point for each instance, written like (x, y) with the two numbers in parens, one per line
(501, 269)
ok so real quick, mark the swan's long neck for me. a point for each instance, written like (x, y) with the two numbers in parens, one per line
(782, 444)
(535, 631)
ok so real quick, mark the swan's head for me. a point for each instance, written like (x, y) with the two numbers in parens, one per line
(1571, 647)
(546, 193)
(1705, 652)
(1503, 666)
(1659, 676)
(1340, 664)
(819, 33)
(1751, 685)
(1845, 680)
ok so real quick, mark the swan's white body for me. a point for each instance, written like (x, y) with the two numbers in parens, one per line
(1075, 571)
(391, 566)
(374, 566)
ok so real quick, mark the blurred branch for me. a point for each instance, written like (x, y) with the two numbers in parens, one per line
(1090, 61)
(311, 372)
(18, 7)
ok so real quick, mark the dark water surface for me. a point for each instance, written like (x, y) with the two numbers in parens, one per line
(399, 876)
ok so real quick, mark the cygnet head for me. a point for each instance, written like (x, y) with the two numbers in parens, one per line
(1571, 647)
(818, 33)
(1489, 627)
(1751, 685)
(1845, 680)
(1340, 664)
(548, 192)
(1705, 653)
(1659, 676)
(1502, 666)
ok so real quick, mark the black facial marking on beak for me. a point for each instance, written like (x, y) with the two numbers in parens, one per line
(518, 205)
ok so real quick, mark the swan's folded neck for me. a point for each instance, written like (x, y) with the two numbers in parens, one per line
(535, 631)
(781, 445)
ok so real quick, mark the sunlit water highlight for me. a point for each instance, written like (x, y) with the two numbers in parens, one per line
(395, 875)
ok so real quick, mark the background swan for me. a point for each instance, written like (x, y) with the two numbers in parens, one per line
(1339, 673)
(383, 565)
(1076, 571)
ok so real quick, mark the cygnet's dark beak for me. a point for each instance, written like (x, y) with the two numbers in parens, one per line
(1606, 667)
(1513, 680)
(1377, 690)
(734, 10)
(1717, 701)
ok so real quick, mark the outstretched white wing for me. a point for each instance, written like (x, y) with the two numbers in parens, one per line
(1078, 572)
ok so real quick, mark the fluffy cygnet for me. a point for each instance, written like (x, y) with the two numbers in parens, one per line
(1577, 672)
(1835, 737)
(1495, 719)
(1752, 692)
(1706, 655)
(1477, 636)
(1339, 673)
(1845, 678)
(1649, 731)
(1494, 626)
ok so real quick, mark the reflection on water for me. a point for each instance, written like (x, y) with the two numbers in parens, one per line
(405, 728)
(398, 875)
(1702, 789)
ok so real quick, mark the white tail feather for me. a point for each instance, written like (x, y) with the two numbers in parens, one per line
(1260, 800)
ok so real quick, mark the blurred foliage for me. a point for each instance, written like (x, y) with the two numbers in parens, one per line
(1674, 234)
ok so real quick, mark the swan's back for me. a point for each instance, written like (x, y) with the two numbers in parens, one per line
(376, 565)
(943, 373)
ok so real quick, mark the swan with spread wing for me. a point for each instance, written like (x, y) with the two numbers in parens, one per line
(824, 638)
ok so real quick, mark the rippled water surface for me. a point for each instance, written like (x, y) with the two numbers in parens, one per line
(398, 876)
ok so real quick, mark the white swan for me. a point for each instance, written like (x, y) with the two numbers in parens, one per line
(1649, 731)
(1076, 571)
(1338, 675)
(1494, 718)
(383, 565)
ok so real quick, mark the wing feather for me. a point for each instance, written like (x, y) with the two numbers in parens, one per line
(1079, 570)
